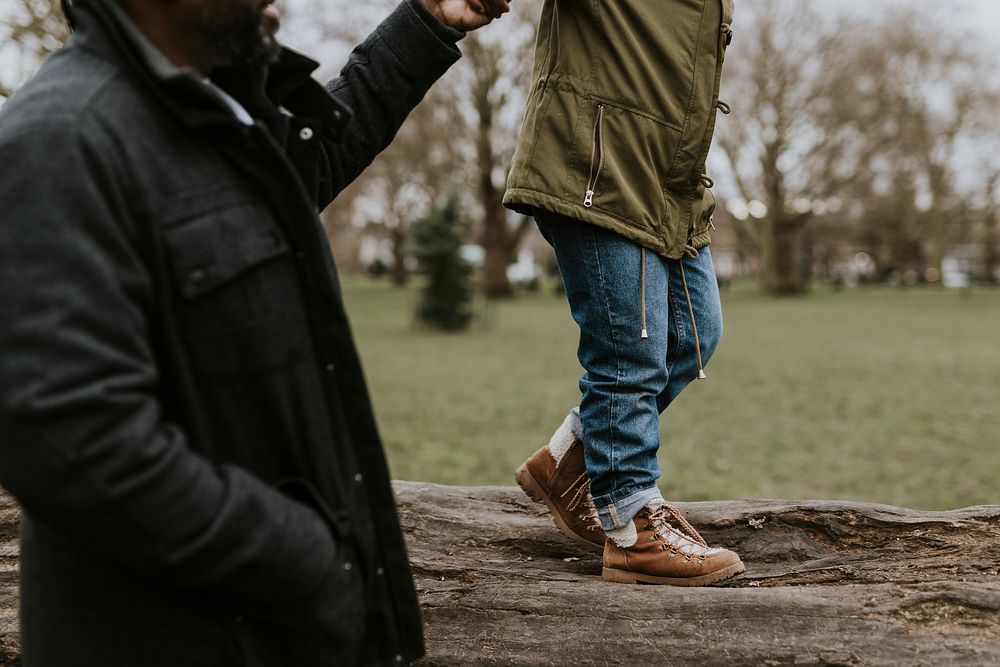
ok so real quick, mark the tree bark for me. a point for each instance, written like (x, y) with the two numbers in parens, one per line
(827, 583)
(9, 646)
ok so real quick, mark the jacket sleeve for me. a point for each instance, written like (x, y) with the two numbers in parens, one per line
(386, 76)
(83, 444)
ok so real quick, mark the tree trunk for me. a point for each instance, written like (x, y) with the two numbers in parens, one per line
(782, 266)
(496, 245)
(398, 272)
(991, 256)
(827, 583)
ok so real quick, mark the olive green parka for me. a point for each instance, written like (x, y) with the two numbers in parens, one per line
(621, 116)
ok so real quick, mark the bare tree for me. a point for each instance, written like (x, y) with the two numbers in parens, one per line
(991, 230)
(495, 80)
(859, 119)
(460, 138)
(771, 81)
(408, 177)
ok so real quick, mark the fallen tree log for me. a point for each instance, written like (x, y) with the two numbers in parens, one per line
(827, 583)
(8, 582)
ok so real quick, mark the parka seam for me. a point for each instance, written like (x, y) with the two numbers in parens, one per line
(628, 108)
(547, 100)
(685, 134)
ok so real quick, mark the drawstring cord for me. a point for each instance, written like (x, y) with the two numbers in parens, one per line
(692, 252)
(645, 334)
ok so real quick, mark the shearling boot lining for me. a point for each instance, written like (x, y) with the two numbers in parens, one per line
(564, 437)
(624, 537)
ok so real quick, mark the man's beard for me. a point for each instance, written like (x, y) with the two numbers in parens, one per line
(235, 33)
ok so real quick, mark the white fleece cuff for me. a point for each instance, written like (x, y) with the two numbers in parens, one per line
(565, 435)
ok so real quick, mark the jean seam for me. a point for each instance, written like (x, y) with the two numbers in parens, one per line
(618, 362)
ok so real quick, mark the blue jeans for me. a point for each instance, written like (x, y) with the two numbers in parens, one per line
(629, 380)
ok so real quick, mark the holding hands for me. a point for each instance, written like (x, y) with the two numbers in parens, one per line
(467, 15)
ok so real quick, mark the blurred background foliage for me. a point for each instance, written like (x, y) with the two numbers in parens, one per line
(858, 173)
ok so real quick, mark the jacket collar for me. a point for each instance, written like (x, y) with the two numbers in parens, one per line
(104, 28)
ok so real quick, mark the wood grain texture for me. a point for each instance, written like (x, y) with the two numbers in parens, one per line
(827, 583)
(9, 647)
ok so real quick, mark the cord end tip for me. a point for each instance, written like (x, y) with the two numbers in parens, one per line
(701, 375)
(644, 335)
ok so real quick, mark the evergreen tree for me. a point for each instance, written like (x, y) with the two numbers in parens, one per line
(437, 240)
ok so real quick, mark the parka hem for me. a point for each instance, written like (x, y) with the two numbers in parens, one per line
(526, 202)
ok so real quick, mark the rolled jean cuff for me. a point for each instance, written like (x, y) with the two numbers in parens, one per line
(618, 513)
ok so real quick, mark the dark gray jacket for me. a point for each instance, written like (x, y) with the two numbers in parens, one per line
(183, 414)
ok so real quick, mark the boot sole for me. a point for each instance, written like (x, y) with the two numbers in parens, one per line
(530, 486)
(626, 577)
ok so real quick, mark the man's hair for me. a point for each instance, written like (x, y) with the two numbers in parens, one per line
(67, 9)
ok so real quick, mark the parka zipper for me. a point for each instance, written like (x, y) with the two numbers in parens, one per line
(596, 157)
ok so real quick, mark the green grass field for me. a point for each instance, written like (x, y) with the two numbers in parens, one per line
(877, 394)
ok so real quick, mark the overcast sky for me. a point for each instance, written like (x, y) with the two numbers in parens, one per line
(981, 15)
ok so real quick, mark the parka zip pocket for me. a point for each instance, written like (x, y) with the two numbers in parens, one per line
(596, 157)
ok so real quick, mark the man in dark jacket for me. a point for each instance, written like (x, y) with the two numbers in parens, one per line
(183, 414)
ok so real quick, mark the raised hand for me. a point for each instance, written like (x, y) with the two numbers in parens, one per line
(467, 15)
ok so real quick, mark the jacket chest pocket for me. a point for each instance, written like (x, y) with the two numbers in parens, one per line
(237, 294)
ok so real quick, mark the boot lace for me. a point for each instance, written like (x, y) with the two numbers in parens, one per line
(582, 501)
(671, 528)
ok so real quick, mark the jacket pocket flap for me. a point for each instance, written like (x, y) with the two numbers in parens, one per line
(209, 251)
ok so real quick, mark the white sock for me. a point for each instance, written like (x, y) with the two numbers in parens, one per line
(627, 536)
(565, 435)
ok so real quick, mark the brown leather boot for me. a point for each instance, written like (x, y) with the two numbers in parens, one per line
(668, 550)
(565, 490)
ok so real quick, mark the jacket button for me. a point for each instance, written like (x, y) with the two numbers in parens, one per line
(399, 660)
(348, 567)
(330, 368)
(380, 571)
(306, 133)
(359, 478)
(194, 280)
